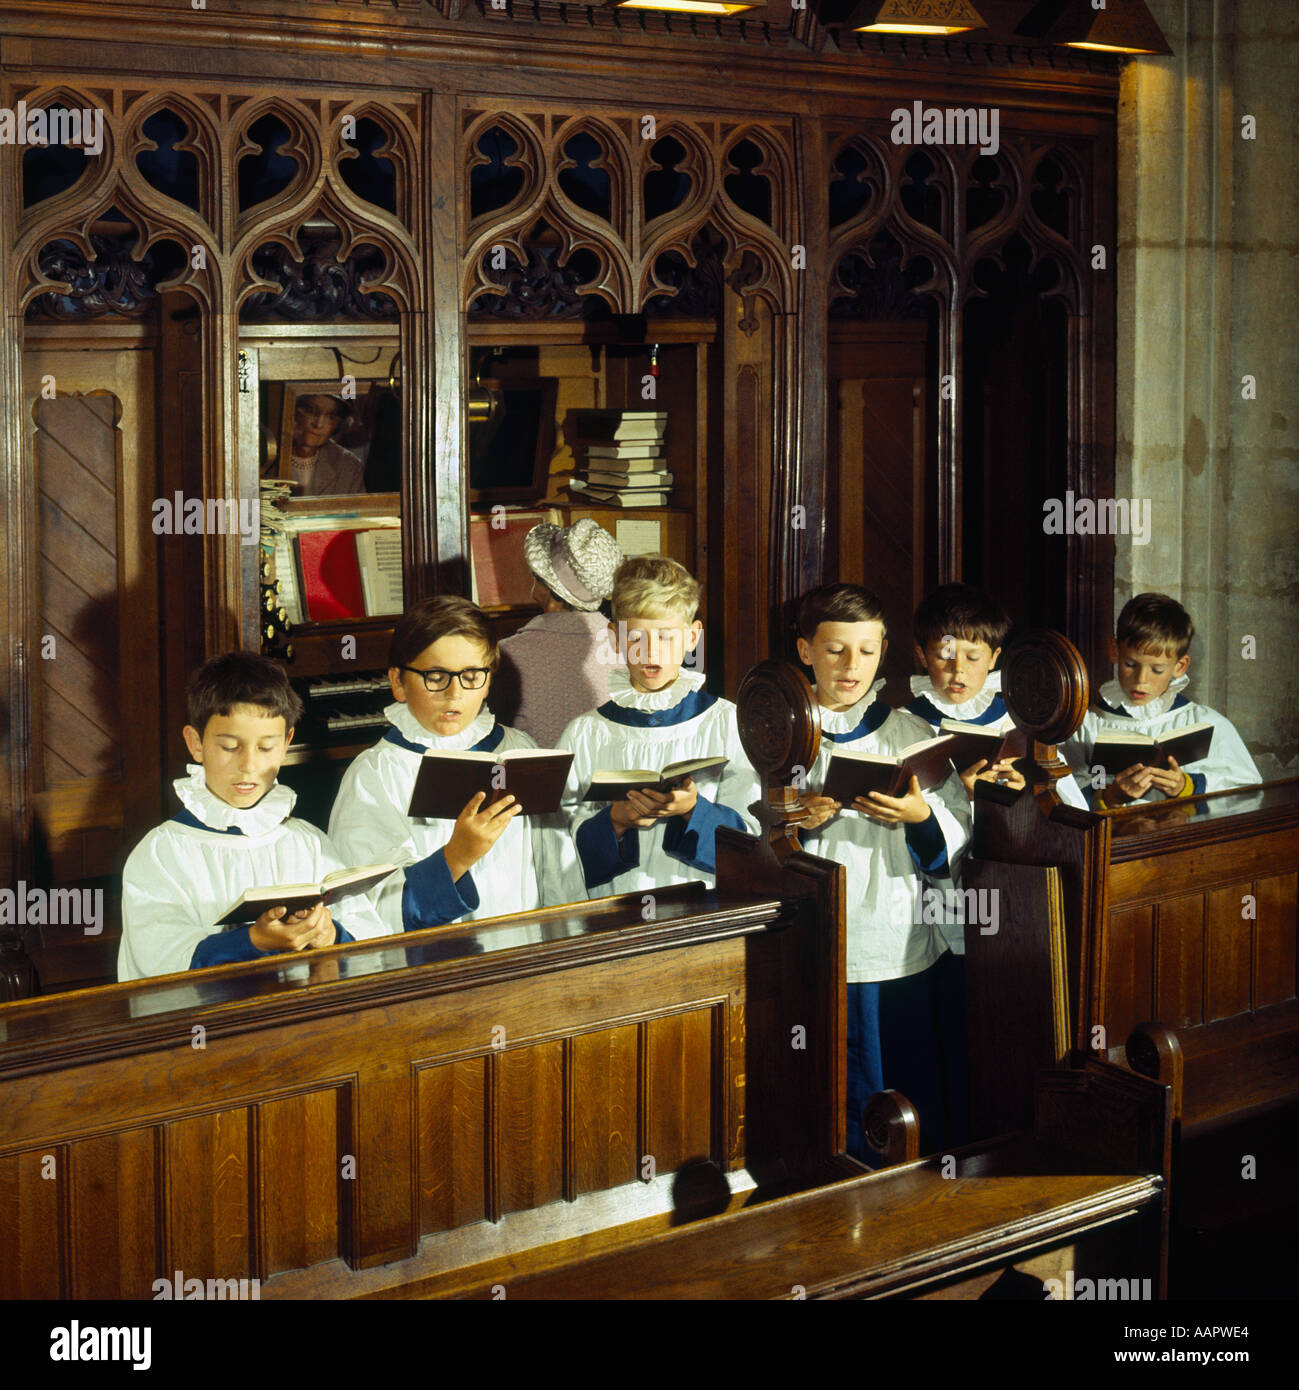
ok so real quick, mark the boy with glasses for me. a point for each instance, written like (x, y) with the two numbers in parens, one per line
(440, 665)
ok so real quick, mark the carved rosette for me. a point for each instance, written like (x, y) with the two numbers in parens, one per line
(1044, 685)
(780, 726)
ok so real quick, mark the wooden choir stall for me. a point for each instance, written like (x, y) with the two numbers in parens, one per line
(618, 1098)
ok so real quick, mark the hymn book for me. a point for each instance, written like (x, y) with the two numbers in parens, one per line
(296, 897)
(853, 774)
(1115, 751)
(534, 777)
(613, 785)
(976, 741)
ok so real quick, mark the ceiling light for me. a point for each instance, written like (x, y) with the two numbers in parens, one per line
(937, 17)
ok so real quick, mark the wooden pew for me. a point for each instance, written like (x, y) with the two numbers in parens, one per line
(430, 1098)
(1184, 912)
(1080, 1201)
(402, 1116)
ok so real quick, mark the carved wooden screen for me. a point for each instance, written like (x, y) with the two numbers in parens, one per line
(933, 232)
(587, 216)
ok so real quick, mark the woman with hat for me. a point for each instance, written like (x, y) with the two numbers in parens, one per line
(557, 666)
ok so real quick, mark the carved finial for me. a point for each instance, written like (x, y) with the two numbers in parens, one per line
(1044, 685)
(780, 729)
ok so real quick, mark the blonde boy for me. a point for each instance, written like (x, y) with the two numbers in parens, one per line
(658, 712)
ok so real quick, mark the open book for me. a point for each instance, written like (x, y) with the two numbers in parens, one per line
(613, 785)
(854, 774)
(975, 741)
(534, 777)
(1115, 751)
(294, 897)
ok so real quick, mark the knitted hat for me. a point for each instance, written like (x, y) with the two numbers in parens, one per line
(577, 562)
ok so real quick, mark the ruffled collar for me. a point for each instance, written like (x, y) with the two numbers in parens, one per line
(626, 696)
(844, 721)
(204, 805)
(969, 709)
(1112, 693)
(399, 715)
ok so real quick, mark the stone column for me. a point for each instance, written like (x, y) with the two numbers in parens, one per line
(1208, 279)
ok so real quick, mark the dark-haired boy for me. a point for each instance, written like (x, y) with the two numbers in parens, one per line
(440, 665)
(887, 847)
(1152, 649)
(233, 833)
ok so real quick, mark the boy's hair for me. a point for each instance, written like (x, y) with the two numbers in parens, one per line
(447, 615)
(652, 586)
(241, 678)
(1156, 623)
(837, 603)
(963, 612)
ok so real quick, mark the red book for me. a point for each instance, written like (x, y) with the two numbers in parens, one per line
(331, 576)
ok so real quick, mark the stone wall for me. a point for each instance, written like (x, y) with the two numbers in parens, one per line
(1209, 294)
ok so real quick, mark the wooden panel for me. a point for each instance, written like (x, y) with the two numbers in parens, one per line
(606, 1100)
(684, 1093)
(1228, 953)
(298, 1162)
(1277, 934)
(76, 466)
(1252, 852)
(209, 1227)
(451, 1105)
(30, 1218)
(1128, 994)
(531, 1126)
(1179, 961)
(114, 1187)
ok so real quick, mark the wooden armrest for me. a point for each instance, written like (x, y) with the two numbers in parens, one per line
(892, 1127)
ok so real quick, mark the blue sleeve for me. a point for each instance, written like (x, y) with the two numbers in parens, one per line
(926, 845)
(342, 935)
(225, 948)
(1199, 782)
(429, 898)
(693, 839)
(603, 855)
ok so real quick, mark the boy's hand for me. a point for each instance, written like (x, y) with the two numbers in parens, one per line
(476, 831)
(638, 810)
(1132, 783)
(1003, 772)
(681, 800)
(910, 809)
(1171, 781)
(819, 810)
(273, 931)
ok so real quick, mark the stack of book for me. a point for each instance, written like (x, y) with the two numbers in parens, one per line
(621, 460)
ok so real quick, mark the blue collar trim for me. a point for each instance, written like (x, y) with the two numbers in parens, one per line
(875, 715)
(931, 714)
(1178, 702)
(186, 817)
(689, 708)
(486, 744)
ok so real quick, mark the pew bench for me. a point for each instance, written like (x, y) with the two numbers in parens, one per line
(995, 1220)
(1224, 1072)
